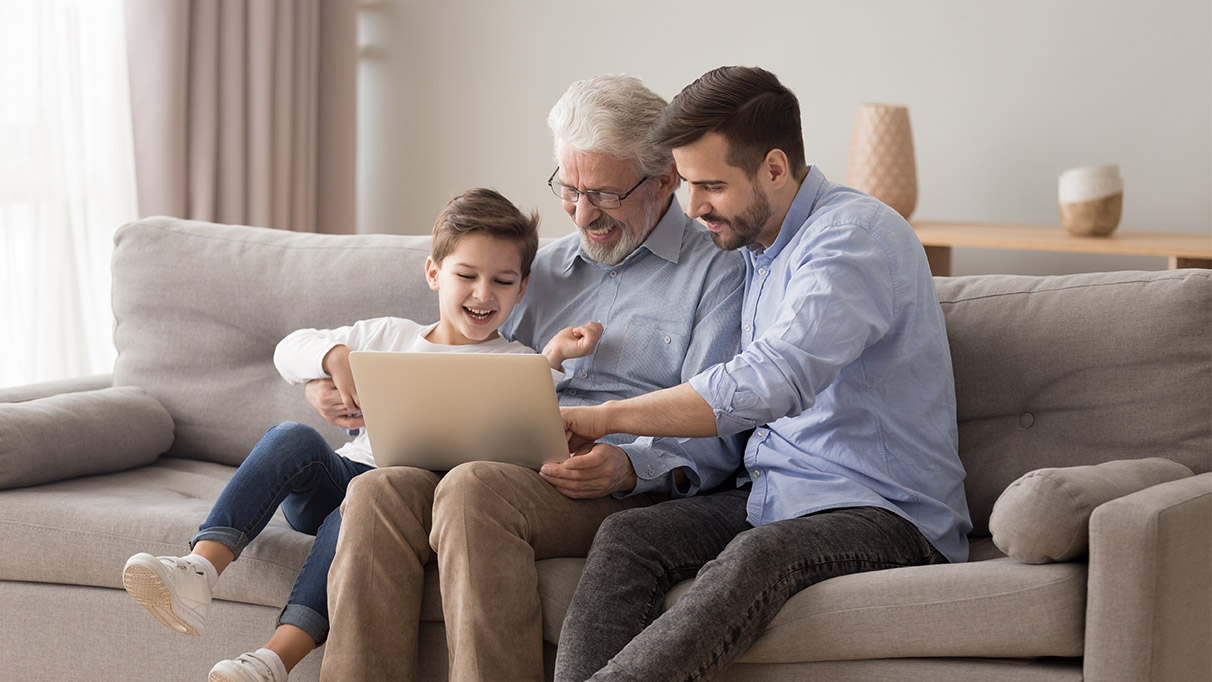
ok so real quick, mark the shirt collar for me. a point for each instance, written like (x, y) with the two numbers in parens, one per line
(798, 213)
(665, 240)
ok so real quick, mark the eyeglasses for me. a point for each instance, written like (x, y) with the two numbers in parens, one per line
(599, 199)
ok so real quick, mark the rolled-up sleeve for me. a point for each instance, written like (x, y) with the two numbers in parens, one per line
(835, 302)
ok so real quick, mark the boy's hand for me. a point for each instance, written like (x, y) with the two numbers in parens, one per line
(325, 399)
(336, 363)
(595, 470)
(572, 342)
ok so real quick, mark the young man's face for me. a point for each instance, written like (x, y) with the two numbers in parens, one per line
(609, 235)
(733, 206)
(478, 284)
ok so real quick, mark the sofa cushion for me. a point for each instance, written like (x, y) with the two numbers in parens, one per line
(1075, 370)
(992, 608)
(199, 308)
(156, 509)
(77, 434)
(1045, 515)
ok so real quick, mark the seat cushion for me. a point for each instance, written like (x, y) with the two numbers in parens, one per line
(82, 531)
(984, 608)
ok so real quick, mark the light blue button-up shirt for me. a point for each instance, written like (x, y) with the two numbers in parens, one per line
(845, 371)
(670, 310)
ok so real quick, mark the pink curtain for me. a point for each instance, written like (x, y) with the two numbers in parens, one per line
(244, 111)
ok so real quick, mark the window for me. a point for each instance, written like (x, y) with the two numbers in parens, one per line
(66, 183)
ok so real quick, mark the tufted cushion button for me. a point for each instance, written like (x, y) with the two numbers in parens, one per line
(1026, 420)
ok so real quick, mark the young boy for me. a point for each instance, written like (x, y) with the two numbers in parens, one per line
(479, 264)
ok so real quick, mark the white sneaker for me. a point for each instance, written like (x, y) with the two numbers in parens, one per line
(172, 589)
(251, 667)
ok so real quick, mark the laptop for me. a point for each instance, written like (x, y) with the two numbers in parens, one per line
(438, 410)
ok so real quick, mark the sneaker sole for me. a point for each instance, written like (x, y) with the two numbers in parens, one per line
(219, 677)
(146, 588)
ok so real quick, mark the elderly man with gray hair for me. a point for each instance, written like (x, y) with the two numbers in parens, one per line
(669, 302)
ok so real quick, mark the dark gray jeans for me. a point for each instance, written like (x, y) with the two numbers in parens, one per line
(615, 630)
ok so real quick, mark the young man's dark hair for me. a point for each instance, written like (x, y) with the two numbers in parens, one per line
(745, 104)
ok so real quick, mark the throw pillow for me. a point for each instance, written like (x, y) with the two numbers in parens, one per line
(1044, 516)
(79, 434)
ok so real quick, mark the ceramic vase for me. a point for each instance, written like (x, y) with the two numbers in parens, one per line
(881, 159)
(1091, 199)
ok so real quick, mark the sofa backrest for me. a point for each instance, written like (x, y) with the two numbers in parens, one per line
(1049, 371)
(199, 308)
(1078, 369)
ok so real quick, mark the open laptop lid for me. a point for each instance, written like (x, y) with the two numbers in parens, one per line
(438, 410)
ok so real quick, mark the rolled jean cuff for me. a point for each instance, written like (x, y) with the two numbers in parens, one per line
(230, 537)
(306, 620)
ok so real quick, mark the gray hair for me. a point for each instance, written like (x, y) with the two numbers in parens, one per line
(611, 114)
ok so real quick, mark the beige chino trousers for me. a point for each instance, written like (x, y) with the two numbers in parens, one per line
(486, 524)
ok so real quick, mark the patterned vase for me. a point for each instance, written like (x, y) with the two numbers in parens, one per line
(881, 156)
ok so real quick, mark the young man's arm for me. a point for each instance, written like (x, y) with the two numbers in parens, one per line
(679, 411)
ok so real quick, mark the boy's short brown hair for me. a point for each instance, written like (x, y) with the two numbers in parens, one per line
(485, 211)
(748, 106)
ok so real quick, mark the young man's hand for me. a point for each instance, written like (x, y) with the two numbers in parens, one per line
(572, 342)
(583, 425)
(595, 470)
(325, 399)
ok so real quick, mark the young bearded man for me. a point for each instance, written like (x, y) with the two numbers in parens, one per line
(844, 377)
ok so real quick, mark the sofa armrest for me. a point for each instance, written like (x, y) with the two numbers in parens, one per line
(21, 394)
(1149, 608)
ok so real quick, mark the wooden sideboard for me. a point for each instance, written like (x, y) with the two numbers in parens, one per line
(1182, 250)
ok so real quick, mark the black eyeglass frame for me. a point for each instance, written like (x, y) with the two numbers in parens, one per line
(594, 196)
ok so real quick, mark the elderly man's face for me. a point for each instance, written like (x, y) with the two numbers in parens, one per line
(609, 235)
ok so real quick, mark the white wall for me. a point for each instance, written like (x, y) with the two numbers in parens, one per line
(1002, 97)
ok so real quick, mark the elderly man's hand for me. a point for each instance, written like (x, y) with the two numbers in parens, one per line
(595, 470)
(324, 398)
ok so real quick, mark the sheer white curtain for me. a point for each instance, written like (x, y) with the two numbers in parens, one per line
(66, 183)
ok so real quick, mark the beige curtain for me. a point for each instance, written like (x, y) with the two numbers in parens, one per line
(244, 111)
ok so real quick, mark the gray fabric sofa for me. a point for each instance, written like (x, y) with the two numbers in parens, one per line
(1052, 374)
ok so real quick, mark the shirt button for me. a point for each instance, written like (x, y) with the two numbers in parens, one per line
(614, 273)
(760, 433)
(668, 340)
(757, 473)
(651, 471)
(747, 327)
(572, 391)
(584, 374)
(761, 271)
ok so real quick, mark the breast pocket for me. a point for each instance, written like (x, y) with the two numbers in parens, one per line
(653, 353)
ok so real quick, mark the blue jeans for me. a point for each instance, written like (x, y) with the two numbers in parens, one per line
(292, 466)
(614, 628)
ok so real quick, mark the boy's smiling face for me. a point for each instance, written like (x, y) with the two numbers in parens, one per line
(478, 284)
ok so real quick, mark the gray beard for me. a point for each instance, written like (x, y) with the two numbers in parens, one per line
(613, 254)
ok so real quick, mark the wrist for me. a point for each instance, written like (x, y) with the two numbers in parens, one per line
(613, 417)
(332, 356)
(554, 359)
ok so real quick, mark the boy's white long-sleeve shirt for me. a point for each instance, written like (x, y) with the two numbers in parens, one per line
(300, 355)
